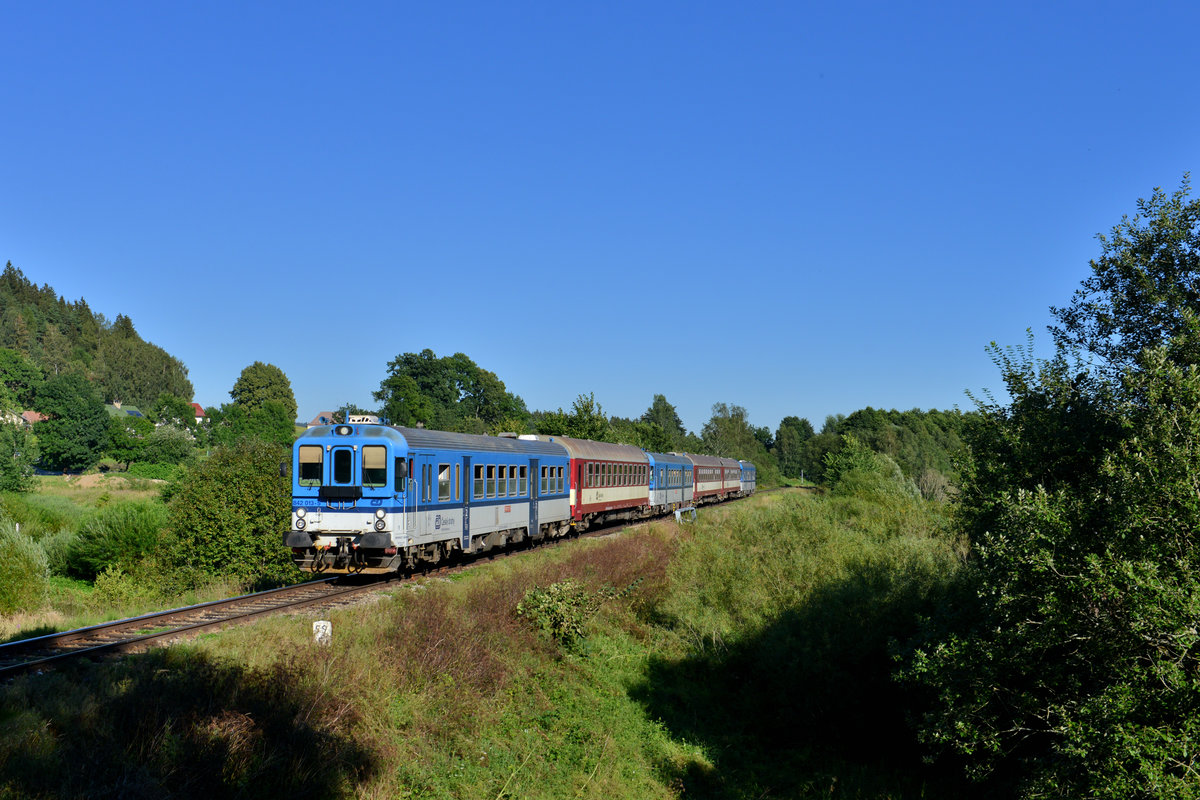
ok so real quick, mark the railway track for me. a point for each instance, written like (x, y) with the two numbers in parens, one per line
(137, 633)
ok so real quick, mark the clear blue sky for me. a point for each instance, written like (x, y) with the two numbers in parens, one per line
(797, 208)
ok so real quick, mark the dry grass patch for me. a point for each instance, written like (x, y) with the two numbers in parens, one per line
(96, 489)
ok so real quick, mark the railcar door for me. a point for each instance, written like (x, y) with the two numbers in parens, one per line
(424, 480)
(534, 494)
(577, 488)
(344, 487)
(466, 507)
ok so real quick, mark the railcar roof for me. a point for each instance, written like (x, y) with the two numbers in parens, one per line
(423, 437)
(604, 451)
(670, 458)
(704, 461)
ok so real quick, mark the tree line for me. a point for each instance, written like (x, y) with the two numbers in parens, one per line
(61, 337)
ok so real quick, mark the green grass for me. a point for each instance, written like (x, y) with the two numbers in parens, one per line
(749, 659)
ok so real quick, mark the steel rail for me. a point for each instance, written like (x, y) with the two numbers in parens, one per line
(95, 640)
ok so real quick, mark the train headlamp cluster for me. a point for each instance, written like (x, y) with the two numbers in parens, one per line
(380, 524)
(343, 430)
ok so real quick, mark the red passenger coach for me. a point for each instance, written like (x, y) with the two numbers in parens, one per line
(716, 478)
(731, 478)
(609, 482)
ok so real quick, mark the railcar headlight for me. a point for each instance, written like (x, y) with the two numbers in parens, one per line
(300, 512)
(300, 524)
(380, 524)
(380, 513)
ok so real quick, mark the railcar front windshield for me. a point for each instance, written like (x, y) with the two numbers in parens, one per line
(311, 465)
(374, 470)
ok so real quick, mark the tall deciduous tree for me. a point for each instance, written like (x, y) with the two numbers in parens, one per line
(451, 393)
(19, 376)
(664, 415)
(728, 433)
(74, 436)
(1144, 290)
(127, 438)
(585, 421)
(171, 410)
(1070, 667)
(789, 444)
(259, 383)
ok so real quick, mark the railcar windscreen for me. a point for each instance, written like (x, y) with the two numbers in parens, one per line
(374, 471)
(310, 464)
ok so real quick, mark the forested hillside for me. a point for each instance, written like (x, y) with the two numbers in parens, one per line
(61, 336)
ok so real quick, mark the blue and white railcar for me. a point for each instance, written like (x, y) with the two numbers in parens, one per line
(670, 482)
(377, 498)
(749, 477)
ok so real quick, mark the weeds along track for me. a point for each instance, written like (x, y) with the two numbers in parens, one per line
(138, 633)
(161, 627)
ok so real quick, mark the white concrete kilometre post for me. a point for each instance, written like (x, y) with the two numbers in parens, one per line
(323, 632)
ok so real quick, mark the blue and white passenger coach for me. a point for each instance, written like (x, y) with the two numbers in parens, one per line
(671, 484)
(378, 498)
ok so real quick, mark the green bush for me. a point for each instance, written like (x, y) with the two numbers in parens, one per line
(24, 571)
(18, 453)
(117, 535)
(117, 589)
(58, 551)
(562, 610)
(228, 516)
(168, 444)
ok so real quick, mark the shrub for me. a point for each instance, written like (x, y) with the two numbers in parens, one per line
(228, 516)
(18, 454)
(57, 547)
(562, 610)
(116, 588)
(1071, 668)
(858, 471)
(117, 535)
(169, 445)
(24, 571)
